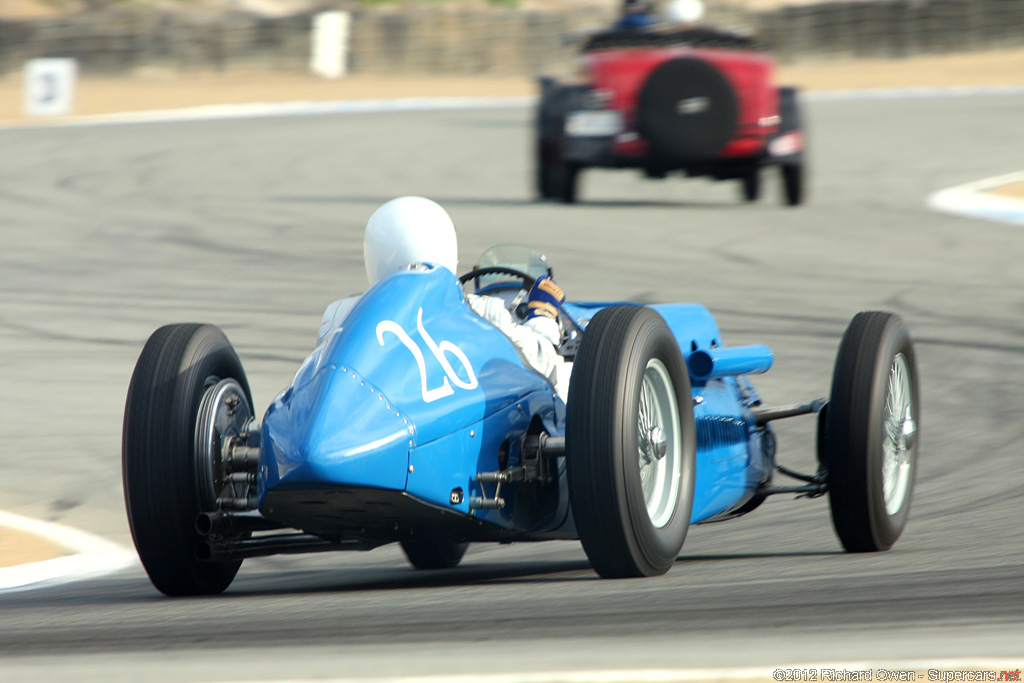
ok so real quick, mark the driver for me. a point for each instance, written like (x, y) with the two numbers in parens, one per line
(636, 14)
(417, 230)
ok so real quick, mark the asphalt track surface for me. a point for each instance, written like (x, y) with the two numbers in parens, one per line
(109, 232)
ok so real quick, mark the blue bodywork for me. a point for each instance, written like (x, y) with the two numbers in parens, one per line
(387, 423)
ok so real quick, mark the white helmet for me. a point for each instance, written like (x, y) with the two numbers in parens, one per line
(408, 230)
(684, 11)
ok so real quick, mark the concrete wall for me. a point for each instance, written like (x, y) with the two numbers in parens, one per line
(499, 41)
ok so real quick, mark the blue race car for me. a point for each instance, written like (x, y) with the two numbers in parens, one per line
(417, 422)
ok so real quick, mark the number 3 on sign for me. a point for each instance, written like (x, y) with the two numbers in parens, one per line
(49, 86)
(438, 350)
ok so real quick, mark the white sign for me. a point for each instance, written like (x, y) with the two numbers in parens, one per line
(438, 350)
(330, 39)
(50, 86)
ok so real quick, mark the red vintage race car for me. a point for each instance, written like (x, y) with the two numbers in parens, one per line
(699, 101)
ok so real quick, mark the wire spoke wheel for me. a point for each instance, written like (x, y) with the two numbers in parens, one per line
(630, 443)
(900, 434)
(871, 433)
(658, 444)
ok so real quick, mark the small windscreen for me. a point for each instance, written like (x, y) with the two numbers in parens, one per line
(516, 256)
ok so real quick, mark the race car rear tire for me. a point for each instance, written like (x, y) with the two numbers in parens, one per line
(871, 432)
(164, 489)
(564, 174)
(567, 182)
(556, 178)
(630, 394)
(546, 138)
(750, 183)
(793, 183)
(433, 553)
(792, 168)
(687, 110)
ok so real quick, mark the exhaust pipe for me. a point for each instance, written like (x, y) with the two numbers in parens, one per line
(281, 544)
(222, 522)
(729, 360)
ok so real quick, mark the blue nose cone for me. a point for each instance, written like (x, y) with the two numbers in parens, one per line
(334, 429)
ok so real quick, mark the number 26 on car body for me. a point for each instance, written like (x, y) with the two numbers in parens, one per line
(438, 350)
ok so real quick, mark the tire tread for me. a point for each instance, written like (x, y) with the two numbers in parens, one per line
(605, 507)
(862, 366)
(158, 468)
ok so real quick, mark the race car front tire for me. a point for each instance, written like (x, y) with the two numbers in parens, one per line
(630, 443)
(161, 458)
(871, 432)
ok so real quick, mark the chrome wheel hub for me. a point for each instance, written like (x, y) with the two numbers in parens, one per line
(659, 445)
(899, 438)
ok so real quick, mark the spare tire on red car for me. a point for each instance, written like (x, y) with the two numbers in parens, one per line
(687, 110)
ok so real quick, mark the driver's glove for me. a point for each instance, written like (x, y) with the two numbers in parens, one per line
(545, 299)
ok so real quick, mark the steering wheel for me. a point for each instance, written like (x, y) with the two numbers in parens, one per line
(566, 348)
(528, 280)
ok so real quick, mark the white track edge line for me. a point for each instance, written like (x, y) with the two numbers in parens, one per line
(408, 104)
(220, 112)
(91, 557)
(972, 201)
